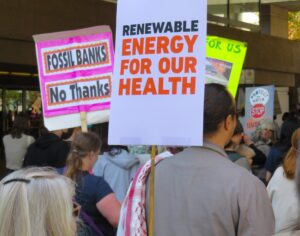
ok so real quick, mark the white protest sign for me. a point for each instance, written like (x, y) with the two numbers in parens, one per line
(158, 81)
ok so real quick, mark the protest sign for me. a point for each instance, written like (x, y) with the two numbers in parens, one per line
(75, 74)
(259, 106)
(224, 62)
(158, 83)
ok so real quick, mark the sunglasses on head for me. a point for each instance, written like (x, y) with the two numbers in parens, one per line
(76, 209)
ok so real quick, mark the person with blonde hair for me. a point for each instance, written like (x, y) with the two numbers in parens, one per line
(100, 207)
(282, 190)
(36, 201)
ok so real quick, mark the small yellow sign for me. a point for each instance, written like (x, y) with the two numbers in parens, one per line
(224, 61)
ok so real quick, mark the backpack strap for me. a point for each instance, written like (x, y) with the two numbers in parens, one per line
(91, 223)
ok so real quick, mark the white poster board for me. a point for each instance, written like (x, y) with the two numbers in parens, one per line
(158, 80)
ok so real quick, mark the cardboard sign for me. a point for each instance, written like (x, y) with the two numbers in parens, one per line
(259, 106)
(224, 62)
(158, 83)
(75, 72)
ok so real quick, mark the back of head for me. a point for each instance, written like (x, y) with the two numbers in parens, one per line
(237, 131)
(20, 126)
(238, 128)
(285, 116)
(289, 162)
(36, 201)
(287, 129)
(218, 104)
(81, 146)
(112, 150)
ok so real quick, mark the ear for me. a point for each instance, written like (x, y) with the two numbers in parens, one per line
(229, 123)
(90, 156)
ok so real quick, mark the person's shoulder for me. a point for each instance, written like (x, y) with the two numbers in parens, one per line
(6, 137)
(94, 179)
(291, 233)
(278, 172)
(61, 170)
(28, 136)
(209, 157)
(97, 184)
(276, 151)
(251, 181)
(101, 161)
(63, 145)
(278, 178)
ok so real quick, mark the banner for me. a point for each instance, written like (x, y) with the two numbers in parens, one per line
(224, 62)
(259, 106)
(158, 83)
(75, 74)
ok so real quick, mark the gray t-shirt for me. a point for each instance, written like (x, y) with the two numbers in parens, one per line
(15, 150)
(201, 192)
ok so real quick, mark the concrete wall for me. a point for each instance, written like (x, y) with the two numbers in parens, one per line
(265, 52)
(21, 19)
(274, 20)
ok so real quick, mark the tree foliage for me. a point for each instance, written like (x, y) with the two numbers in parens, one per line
(294, 25)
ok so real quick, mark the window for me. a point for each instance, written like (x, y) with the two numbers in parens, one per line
(246, 11)
(240, 14)
(217, 8)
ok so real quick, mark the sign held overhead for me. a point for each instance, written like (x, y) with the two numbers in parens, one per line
(158, 83)
(75, 72)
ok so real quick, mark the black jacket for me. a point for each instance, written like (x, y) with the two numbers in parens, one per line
(48, 150)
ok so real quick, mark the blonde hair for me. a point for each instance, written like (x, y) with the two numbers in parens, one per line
(41, 206)
(289, 162)
(82, 145)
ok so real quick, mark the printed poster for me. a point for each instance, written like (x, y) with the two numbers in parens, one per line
(259, 106)
(158, 81)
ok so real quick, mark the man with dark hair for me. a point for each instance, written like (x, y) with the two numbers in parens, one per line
(201, 192)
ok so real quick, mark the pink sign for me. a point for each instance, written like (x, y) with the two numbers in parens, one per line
(75, 71)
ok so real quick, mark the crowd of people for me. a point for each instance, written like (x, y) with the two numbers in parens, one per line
(74, 183)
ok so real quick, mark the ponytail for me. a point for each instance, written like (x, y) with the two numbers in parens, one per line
(74, 165)
(290, 160)
(289, 163)
(82, 145)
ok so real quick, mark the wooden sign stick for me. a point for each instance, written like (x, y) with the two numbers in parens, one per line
(151, 205)
(83, 122)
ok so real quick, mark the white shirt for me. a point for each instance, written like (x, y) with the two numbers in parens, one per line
(15, 150)
(285, 203)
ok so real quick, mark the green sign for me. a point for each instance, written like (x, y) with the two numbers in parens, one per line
(224, 61)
